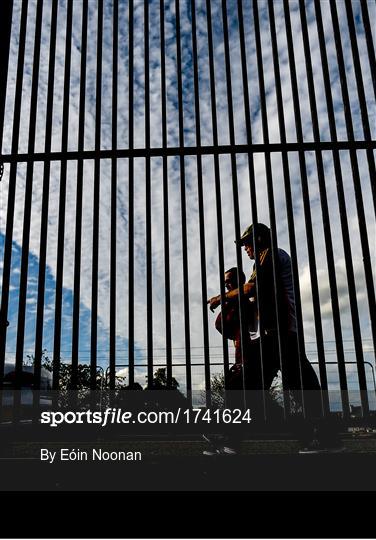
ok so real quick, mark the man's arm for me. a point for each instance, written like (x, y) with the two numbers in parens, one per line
(215, 301)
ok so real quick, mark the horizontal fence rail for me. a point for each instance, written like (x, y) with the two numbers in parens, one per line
(138, 141)
(192, 151)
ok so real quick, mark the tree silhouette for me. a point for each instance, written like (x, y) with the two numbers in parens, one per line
(159, 381)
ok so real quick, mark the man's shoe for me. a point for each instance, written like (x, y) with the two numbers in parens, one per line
(222, 451)
(210, 453)
(229, 451)
(217, 447)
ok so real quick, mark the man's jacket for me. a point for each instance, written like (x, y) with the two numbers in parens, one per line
(271, 294)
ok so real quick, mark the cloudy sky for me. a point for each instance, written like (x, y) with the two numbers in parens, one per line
(190, 163)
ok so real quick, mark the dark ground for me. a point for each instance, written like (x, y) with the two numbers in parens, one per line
(267, 462)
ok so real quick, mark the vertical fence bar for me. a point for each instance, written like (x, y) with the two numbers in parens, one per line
(363, 111)
(247, 108)
(28, 198)
(340, 189)
(356, 176)
(165, 198)
(12, 184)
(269, 181)
(78, 228)
(217, 178)
(370, 48)
(45, 198)
(115, 37)
(183, 206)
(6, 11)
(235, 190)
(62, 201)
(27, 211)
(149, 268)
(289, 206)
(251, 165)
(204, 289)
(97, 173)
(131, 199)
(306, 203)
(326, 218)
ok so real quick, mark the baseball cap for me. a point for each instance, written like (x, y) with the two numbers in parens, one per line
(262, 231)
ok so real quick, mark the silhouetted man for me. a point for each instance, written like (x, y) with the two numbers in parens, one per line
(275, 326)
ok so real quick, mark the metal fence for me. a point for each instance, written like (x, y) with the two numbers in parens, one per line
(140, 138)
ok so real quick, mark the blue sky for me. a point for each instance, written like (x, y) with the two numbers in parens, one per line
(190, 170)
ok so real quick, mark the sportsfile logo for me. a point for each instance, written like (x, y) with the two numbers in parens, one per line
(118, 416)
